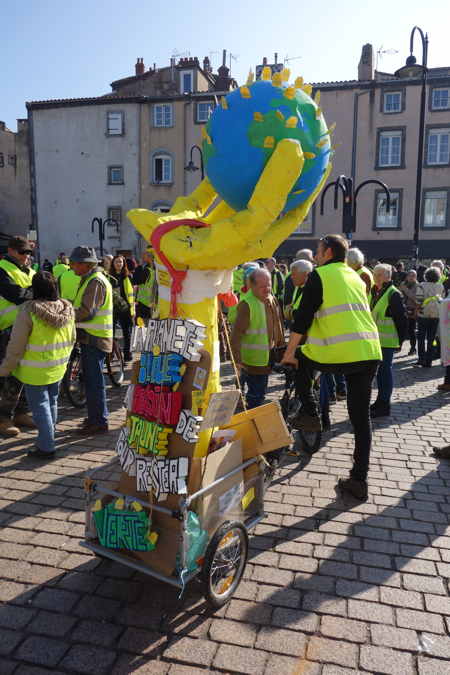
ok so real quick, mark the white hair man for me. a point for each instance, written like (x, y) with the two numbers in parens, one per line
(389, 313)
(256, 331)
(355, 260)
(441, 267)
(299, 270)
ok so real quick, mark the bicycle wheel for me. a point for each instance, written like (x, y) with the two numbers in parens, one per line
(115, 365)
(224, 564)
(73, 381)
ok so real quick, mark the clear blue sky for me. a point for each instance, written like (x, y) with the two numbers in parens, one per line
(61, 49)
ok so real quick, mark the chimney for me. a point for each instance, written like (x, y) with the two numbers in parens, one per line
(264, 61)
(276, 58)
(207, 65)
(224, 57)
(172, 69)
(365, 66)
(139, 67)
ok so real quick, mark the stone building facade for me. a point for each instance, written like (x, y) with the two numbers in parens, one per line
(15, 215)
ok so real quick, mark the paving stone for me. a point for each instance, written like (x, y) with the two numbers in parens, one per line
(48, 623)
(282, 597)
(98, 633)
(94, 607)
(416, 582)
(198, 652)
(332, 651)
(384, 660)
(438, 604)
(409, 618)
(55, 599)
(357, 589)
(15, 617)
(41, 650)
(281, 641)
(251, 612)
(388, 636)
(295, 620)
(233, 632)
(92, 660)
(432, 666)
(344, 629)
(240, 660)
(370, 611)
(324, 604)
(395, 596)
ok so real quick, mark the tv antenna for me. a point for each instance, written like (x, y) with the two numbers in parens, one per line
(180, 55)
(288, 58)
(381, 52)
(234, 57)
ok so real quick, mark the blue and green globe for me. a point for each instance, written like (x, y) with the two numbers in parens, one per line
(244, 130)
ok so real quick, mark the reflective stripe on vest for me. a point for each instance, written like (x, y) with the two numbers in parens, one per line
(145, 290)
(46, 354)
(255, 341)
(430, 299)
(69, 283)
(129, 293)
(8, 310)
(297, 297)
(343, 330)
(385, 324)
(101, 324)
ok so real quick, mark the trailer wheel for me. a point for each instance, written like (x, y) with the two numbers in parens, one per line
(224, 565)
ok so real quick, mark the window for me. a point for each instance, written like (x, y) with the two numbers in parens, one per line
(114, 123)
(114, 213)
(390, 151)
(438, 146)
(440, 99)
(383, 219)
(435, 208)
(204, 111)
(187, 81)
(162, 168)
(2, 159)
(162, 115)
(12, 160)
(115, 175)
(392, 102)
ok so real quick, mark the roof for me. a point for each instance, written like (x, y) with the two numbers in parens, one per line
(116, 98)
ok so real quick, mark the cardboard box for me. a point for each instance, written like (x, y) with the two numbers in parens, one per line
(260, 430)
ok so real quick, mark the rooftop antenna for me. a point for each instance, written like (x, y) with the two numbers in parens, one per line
(382, 51)
(180, 55)
(234, 57)
(288, 58)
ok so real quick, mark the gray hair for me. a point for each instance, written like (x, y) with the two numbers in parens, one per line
(438, 263)
(355, 257)
(301, 266)
(257, 272)
(384, 267)
(305, 254)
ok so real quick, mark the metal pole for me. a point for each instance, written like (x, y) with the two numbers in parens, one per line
(417, 212)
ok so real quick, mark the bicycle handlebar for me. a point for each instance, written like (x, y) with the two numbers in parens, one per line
(283, 369)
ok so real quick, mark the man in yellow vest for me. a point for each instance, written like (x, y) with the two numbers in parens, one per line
(339, 335)
(60, 267)
(68, 284)
(299, 272)
(256, 331)
(94, 321)
(15, 289)
(145, 279)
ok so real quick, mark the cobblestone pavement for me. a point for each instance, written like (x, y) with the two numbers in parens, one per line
(330, 587)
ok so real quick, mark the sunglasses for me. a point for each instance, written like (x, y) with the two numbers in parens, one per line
(26, 251)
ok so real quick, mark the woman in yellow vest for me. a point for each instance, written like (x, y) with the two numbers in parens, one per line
(429, 294)
(389, 314)
(124, 310)
(38, 351)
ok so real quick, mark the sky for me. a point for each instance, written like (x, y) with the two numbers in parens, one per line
(52, 49)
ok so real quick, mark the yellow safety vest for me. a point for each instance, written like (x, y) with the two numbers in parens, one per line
(385, 324)
(101, 324)
(145, 291)
(46, 354)
(8, 310)
(255, 341)
(343, 330)
(59, 269)
(129, 292)
(69, 283)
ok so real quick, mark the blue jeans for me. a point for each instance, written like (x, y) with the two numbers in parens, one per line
(256, 388)
(93, 361)
(43, 402)
(385, 379)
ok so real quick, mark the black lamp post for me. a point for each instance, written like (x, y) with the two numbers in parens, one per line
(191, 166)
(101, 229)
(414, 70)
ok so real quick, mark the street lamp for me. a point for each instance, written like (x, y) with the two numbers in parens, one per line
(412, 69)
(191, 166)
(101, 229)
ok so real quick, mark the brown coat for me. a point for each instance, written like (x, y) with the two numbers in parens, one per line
(274, 330)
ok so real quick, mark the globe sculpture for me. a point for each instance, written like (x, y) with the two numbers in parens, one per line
(245, 128)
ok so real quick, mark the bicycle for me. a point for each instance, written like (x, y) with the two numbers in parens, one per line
(74, 381)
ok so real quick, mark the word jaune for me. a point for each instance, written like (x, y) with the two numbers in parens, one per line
(163, 369)
(147, 437)
(157, 404)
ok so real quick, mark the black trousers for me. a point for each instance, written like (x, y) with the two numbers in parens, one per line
(126, 323)
(359, 377)
(412, 325)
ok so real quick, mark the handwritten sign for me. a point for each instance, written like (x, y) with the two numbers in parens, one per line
(221, 407)
(179, 336)
(128, 400)
(157, 404)
(147, 437)
(188, 426)
(163, 476)
(138, 338)
(123, 529)
(164, 369)
(126, 455)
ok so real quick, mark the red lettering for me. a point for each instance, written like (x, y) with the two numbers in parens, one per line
(157, 404)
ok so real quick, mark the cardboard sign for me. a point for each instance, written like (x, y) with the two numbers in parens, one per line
(138, 338)
(164, 369)
(123, 529)
(188, 426)
(128, 400)
(157, 404)
(221, 407)
(147, 437)
(179, 336)
(163, 476)
(126, 455)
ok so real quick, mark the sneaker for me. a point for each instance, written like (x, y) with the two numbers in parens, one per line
(91, 429)
(24, 420)
(381, 410)
(7, 428)
(341, 395)
(326, 423)
(307, 422)
(356, 488)
(443, 387)
(40, 454)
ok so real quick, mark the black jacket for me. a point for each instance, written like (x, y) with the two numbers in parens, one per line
(11, 291)
(396, 309)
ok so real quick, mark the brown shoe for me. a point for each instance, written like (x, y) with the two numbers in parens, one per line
(443, 387)
(91, 429)
(357, 488)
(24, 420)
(7, 428)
